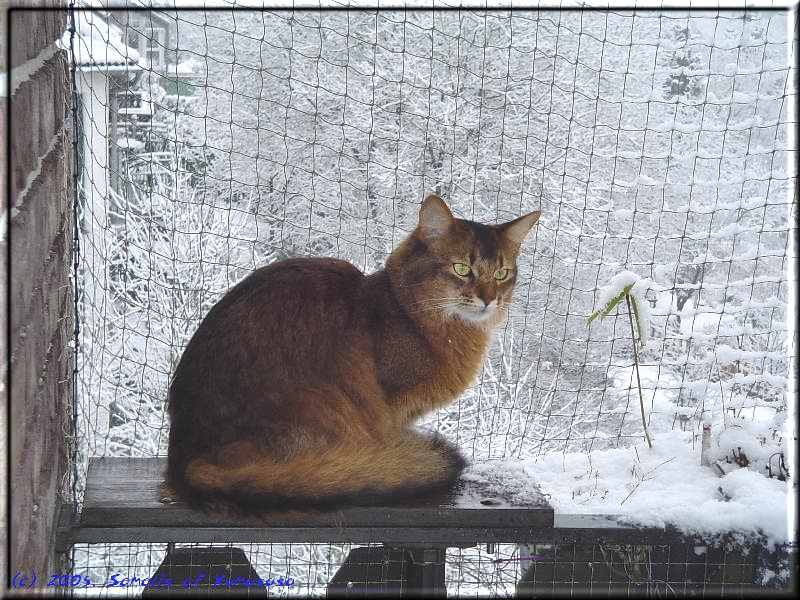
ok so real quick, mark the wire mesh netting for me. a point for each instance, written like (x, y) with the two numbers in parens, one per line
(502, 570)
(306, 569)
(213, 142)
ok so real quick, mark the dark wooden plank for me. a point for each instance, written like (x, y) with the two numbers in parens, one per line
(567, 529)
(124, 492)
(453, 537)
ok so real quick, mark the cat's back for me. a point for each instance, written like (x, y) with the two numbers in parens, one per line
(291, 287)
(304, 274)
(283, 305)
(288, 314)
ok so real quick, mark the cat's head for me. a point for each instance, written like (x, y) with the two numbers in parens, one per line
(457, 268)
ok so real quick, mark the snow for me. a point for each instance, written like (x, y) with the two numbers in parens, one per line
(658, 487)
(184, 68)
(98, 43)
(130, 143)
(725, 353)
(22, 73)
(615, 286)
(32, 177)
(638, 288)
(517, 488)
(665, 485)
(650, 188)
(740, 439)
(732, 230)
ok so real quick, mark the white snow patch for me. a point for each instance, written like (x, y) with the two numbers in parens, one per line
(614, 286)
(665, 485)
(639, 287)
(130, 143)
(730, 231)
(34, 174)
(98, 43)
(26, 70)
(517, 487)
(726, 354)
(741, 440)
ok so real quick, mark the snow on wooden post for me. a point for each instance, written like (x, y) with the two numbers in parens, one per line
(705, 448)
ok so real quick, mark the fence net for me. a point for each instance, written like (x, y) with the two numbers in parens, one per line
(213, 142)
(502, 570)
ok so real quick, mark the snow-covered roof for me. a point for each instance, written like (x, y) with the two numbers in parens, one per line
(99, 44)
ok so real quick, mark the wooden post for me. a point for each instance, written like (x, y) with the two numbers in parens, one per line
(42, 303)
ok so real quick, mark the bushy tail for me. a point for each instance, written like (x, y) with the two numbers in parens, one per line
(342, 474)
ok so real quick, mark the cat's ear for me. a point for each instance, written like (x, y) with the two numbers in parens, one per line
(434, 216)
(517, 229)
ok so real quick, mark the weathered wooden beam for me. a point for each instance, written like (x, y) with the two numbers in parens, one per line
(125, 492)
(38, 243)
(123, 504)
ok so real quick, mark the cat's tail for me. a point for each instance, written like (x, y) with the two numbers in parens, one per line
(345, 473)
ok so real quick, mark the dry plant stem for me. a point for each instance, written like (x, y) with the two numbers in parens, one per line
(636, 366)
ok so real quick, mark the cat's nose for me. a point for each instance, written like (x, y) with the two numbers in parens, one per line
(484, 299)
(484, 303)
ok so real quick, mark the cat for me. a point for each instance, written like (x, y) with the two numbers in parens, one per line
(301, 385)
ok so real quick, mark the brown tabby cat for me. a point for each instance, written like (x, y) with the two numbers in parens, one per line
(301, 385)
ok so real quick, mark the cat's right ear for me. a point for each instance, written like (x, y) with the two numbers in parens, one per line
(434, 216)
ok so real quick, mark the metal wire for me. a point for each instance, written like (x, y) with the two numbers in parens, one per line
(213, 142)
(504, 570)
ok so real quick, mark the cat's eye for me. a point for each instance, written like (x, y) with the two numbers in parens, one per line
(461, 269)
(501, 274)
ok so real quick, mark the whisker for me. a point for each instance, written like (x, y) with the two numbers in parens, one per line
(435, 307)
(431, 309)
(435, 301)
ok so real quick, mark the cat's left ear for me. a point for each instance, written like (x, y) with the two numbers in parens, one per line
(517, 229)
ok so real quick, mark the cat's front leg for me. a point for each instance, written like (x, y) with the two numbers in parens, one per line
(410, 406)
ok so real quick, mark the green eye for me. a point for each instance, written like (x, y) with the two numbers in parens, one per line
(501, 274)
(461, 269)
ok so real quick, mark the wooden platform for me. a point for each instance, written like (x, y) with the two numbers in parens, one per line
(123, 503)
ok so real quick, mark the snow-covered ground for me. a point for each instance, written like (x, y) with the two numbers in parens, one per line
(664, 485)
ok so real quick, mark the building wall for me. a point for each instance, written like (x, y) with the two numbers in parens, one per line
(92, 88)
(93, 132)
(40, 234)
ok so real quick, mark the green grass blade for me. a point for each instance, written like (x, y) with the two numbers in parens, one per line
(610, 305)
(637, 320)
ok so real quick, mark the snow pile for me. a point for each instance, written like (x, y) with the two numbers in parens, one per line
(657, 487)
(665, 485)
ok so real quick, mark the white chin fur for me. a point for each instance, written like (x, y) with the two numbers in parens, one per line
(474, 317)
